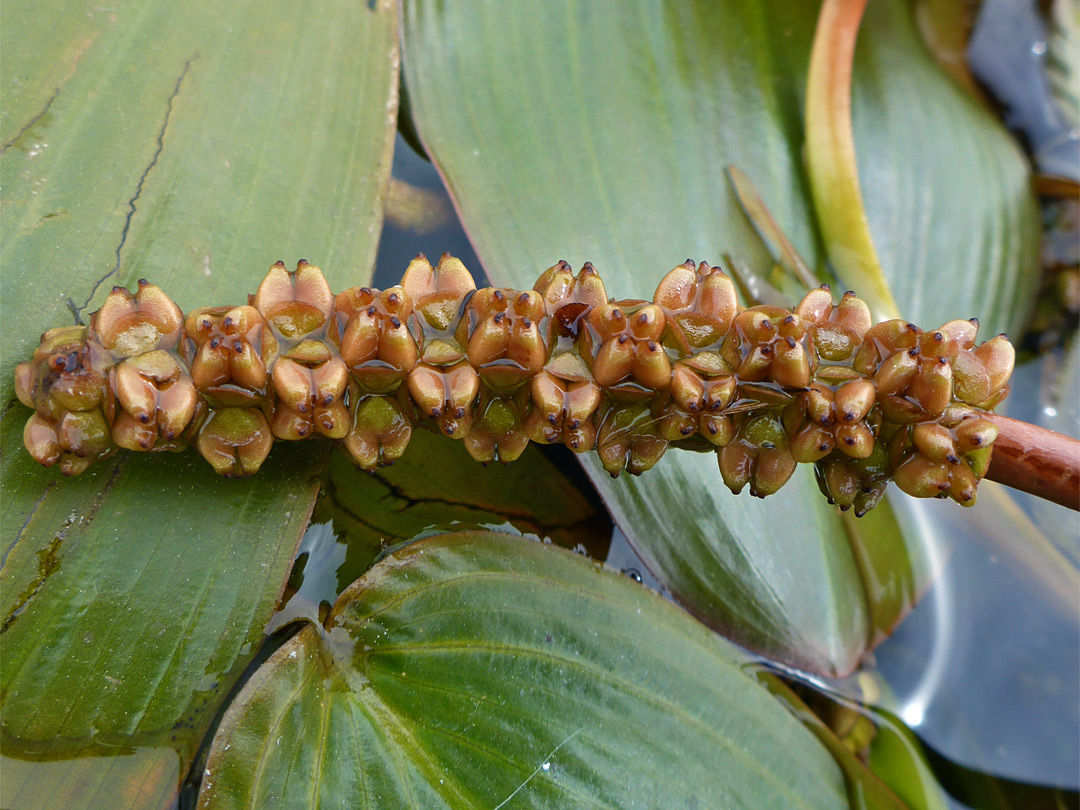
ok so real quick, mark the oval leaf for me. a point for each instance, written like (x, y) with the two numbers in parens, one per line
(604, 136)
(481, 670)
(193, 145)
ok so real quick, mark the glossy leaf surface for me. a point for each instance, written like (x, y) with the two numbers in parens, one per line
(602, 133)
(193, 145)
(481, 670)
(436, 487)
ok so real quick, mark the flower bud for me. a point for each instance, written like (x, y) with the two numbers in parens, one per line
(228, 350)
(372, 330)
(436, 293)
(380, 432)
(759, 455)
(157, 400)
(129, 325)
(935, 441)
(497, 434)
(921, 477)
(295, 304)
(699, 303)
(505, 345)
(630, 355)
(811, 443)
(882, 340)
(236, 441)
(768, 344)
(560, 288)
(628, 439)
(975, 433)
(446, 394)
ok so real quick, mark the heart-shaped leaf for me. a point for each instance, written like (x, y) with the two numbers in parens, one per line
(192, 144)
(483, 670)
(602, 133)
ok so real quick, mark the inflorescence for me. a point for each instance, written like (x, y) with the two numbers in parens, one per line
(764, 388)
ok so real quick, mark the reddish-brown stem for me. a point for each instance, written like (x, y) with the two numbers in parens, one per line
(1036, 460)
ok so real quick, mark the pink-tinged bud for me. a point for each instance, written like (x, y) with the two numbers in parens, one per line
(559, 288)
(819, 405)
(816, 306)
(497, 434)
(291, 425)
(676, 424)
(380, 433)
(838, 481)
(900, 410)
(884, 339)
(236, 441)
(677, 289)
(436, 293)
(935, 442)
(446, 394)
(699, 303)
(158, 394)
(853, 315)
(688, 388)
(854, 440)
(963, 485)
(129, 325)
(896, 372)
(736, 465)
(920, 477)
(614, 362)
(295, 304)
(932, 386)
(790, 367)
(959, 336)
(41, 441)
(628, 439)
(651, 366)
(811, 443)
(998, 357)
(717, 430)
(854, 400)
(974, 434)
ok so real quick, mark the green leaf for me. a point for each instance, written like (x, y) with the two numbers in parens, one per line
(188, 143)
(601, 132)
(130, 604)
(192, 144)
(481, 670)
(436, 487)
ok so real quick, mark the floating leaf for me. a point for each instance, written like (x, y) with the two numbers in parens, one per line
(604, 136)
(195, 144)
(481, 670)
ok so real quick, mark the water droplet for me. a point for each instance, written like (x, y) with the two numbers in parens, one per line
(1038, 47)
(633, 573)
(546, 766)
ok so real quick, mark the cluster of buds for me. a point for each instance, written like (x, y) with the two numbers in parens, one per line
(764, 388)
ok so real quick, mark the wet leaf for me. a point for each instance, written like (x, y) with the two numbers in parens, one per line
(604, 136)
(481, 670)
(436, 487)
(193, 145)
